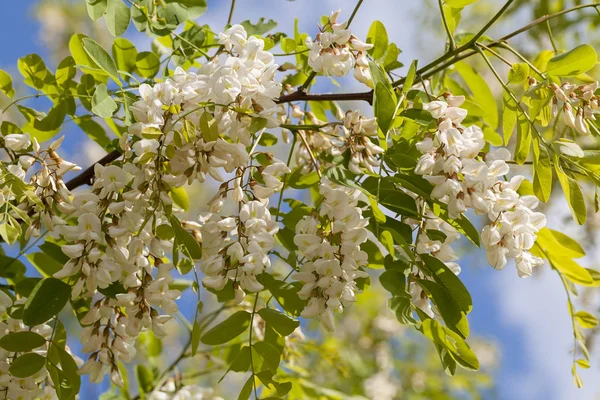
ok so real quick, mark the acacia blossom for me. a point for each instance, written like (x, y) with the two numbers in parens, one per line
(335, 51)
(463, 180)
(331, 246)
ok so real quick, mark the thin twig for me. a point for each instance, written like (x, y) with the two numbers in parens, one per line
(230, 18)
(354, 12)
(451, 44)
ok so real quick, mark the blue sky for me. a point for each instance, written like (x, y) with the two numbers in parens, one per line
(527, 318)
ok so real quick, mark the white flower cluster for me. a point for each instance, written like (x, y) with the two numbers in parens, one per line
(237, 247)
(355, 134)
(49, 196)
(331, 246)
(186, 130)
(38, 385)
(580, 103)
(463, 180)
(335, 51)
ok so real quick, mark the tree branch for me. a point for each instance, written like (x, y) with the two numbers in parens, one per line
(85, 178)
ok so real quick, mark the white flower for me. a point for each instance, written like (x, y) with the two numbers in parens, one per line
(17, 141)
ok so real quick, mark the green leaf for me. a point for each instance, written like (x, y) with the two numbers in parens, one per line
(482, 94)
(54, 119)
(195, 7)
(19, 342)
(384, 106)
(570, 269)
(145, 378)
(573, 195)
(285, 293)
(267, 140)
(96, 8)
(95, 131)
(523, 140)
(410, 77)
(6, 84)
(448, 279)
(377, 36)
(270, 355)
(451, 312)
(241, 362)
(65, 71)
(518, 73)
(11, 268)
(542, 173)
(583, 318)
(577, 61)
(247, 389)
(117, 17)
(283, 324)
(47, 299)
(227, 330)
(101, 58)
(26, 365)
(83, 59)
(459, 3)
(66, 379)
(261, 27)
(124, 54)
(196, 331)
(288, 45)
(209, 127)
(46, 265)
(33, 69)
(180, 197)
(186, 238)
(103, 104)
(394, 281)
(509, 116)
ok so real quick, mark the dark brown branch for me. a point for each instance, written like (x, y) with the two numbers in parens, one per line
(302, 95)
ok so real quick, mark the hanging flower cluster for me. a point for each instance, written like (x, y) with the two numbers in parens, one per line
(579, 104)
(331, 246)
(180, 136)
(335, 51)
(463, 180)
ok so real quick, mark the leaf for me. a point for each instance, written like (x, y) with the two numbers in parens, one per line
(410, 77)
(196, 330)
(147, 64)
(185, 238)
(26, 365)
(67, 381)
(101, 58)
(19, 342)
(574, 62)
(11, 268)
(33, 69)
(283, 324)
(523, 140)
(66, 71)
(209, 127)
(6, 84)
(384, 107)
(459, 3)
(451, 312)
(448, 279)
(583, 318)
(241, 362)
(145, 378)
(573, 195)
(47, 299)
(228, 330)
(82, 58)
(95, 131)
(46, 265)
(482, 94)
(195, 7)
(180, 197)
(54, 119)
(117, 17)
(261, 27)
(96, 8)
(509, 116)
(518, 73)
(571, 270)
(103, 104)
(285, 293)
(247, 389)
(542, 170)
(394, 281)
(270, 355)
(377, 36)
(124, 54)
